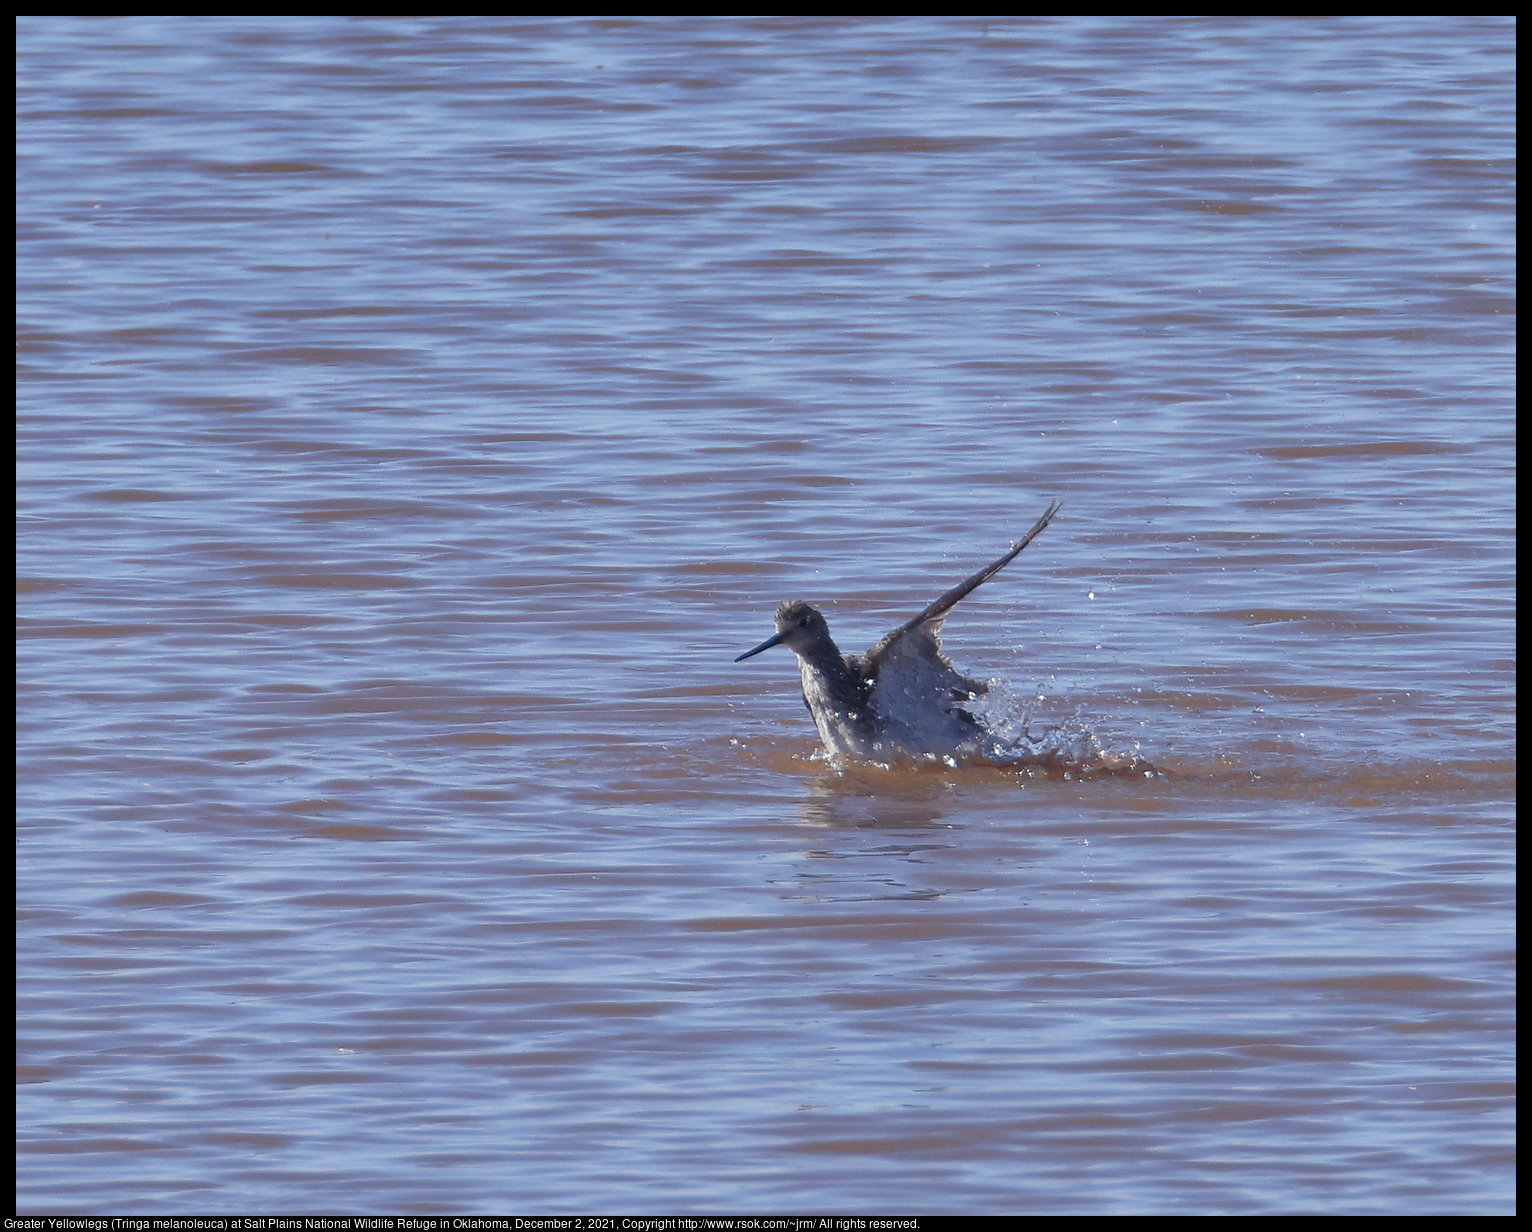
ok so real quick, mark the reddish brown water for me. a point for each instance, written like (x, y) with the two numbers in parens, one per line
(418, 416)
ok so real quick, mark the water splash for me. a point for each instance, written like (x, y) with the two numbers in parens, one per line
(1070, 749)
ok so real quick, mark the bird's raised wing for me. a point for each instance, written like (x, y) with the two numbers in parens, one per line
(913, 681)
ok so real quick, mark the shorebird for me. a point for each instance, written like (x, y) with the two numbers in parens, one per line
(903, 697)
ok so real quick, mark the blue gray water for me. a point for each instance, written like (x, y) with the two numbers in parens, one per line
(417, 417)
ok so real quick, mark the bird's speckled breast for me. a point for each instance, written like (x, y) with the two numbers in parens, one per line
(845, 732)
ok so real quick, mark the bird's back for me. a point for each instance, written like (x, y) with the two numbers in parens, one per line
(919, 699)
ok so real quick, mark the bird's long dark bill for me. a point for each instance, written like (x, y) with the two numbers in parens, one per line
(766, 645)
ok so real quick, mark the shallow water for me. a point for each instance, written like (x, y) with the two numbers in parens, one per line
(417, 417)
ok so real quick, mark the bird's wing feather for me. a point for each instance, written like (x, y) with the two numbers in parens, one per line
(915, 688)
(919, 697)
(928, 624)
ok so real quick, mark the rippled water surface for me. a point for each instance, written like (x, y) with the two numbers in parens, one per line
(417, 416)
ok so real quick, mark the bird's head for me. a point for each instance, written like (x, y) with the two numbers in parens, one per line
(799, 627)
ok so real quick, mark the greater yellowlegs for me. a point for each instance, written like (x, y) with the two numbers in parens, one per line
(903, 697)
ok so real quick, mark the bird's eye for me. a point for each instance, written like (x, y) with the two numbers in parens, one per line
(804, 623)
